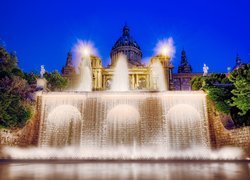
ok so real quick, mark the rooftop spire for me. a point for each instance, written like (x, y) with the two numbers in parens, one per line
(68, 70)
(125, 30)
(69, 59)
(183, 57)
(184, 67)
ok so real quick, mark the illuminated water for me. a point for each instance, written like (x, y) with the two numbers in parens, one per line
(127, 171)
(86, 75)
(124, 125)
(167, 120)
(120, 80)
(158, 76)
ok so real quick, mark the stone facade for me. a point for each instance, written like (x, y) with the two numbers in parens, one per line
(181, 81)
(184, 66)
(139, 74)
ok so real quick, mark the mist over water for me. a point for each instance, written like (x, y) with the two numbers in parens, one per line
(156, 171)
(132, 152)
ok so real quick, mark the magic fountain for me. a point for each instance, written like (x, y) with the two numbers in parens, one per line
(123, 124)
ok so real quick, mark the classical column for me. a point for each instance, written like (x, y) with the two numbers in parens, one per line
(103, 82)
(166, 74)
(147, 81)
(100, 79)
(137, 81)
(133, 81)
(96, 79)
(171, 81)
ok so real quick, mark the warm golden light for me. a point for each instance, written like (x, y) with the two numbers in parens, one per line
(165, 47)
(85, 48)
(165, 50)
(86, 51)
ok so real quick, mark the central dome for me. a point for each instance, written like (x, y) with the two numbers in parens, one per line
(127, 46)
(126, 40)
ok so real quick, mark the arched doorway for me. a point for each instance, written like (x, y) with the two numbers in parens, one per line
(185, 127)
(62, 127)
(123, 125)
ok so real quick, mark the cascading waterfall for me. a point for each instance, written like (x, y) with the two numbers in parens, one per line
(63, 129)
(120, 80)
(123, 120)
(123, 125)
(99, 120)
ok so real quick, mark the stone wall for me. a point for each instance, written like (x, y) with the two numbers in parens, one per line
(220, 136)
(27, 136)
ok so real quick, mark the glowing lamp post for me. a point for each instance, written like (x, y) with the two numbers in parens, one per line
(164, 50)
(85, 51)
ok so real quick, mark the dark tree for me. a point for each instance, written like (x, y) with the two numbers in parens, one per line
(55, 81)
(230, 95)
(15, 102)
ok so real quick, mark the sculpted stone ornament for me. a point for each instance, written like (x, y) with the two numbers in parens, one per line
(205, 70)
(42, 71)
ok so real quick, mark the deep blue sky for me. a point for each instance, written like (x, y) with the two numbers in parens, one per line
(42, 32)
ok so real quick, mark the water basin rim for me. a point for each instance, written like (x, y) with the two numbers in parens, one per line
(175, 93)
(153, 161)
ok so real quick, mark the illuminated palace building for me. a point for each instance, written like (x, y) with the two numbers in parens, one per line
(140, 75)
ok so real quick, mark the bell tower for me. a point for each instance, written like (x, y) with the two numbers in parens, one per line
(184, 66)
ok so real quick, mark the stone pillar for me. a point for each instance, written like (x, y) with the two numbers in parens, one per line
(99, 79)
(171, 81)
(133, 81)
(104, 82)
(147, 81)
(95, 82)
(167, 75)
(137, 81)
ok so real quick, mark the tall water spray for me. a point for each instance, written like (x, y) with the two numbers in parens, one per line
(85, 74)
(83, 50)
(120, 80)
(158, 77)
